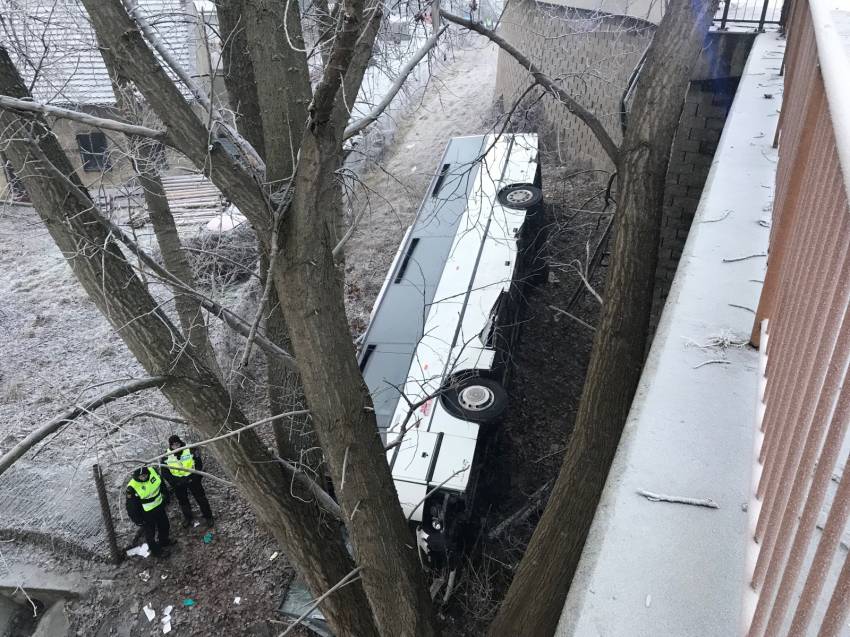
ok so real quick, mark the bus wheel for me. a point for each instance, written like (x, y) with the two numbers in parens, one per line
(477, 399)
(520, 196)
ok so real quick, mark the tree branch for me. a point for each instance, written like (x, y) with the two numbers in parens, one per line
(403, 74)
(236, 323)
(602, 136)
(321, 495)
(14, 104)
(11, 456)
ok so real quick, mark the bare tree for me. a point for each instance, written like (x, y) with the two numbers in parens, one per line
(280, 166)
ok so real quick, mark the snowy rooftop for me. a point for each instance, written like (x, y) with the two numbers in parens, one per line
(660, 568)
(53, 42)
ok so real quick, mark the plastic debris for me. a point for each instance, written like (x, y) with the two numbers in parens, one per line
(150, 613)
(208, 537)
(237, 600)
(144, 576)
(166, 619)
(163, 576)
(273, 556)
(141, 551)
(188, 602)
(195, 524)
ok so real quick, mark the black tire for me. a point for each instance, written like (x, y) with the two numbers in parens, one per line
(520, 196)
(477, 399)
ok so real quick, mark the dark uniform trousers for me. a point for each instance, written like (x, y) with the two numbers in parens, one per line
(192, 484)
(156, 529)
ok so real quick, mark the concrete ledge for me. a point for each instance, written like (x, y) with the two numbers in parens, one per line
(655, 568)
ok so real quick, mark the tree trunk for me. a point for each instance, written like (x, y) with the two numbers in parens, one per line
(310, 290)
(536, 596)
(340, 404)
(238, 72)
(145, 155)
(75, 225)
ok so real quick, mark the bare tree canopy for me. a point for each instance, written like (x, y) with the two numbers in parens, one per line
(272, 136)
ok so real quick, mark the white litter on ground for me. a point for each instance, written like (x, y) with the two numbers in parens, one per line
(273, 556)
(166, 619)
(237, 600)
(141, 551)
(144, 576)
(226, 221)
(150, 613)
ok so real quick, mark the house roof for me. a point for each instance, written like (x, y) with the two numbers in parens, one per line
(52, 41)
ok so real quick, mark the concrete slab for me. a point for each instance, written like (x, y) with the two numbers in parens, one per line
(654, 568)
(48, 587)
(54, 622)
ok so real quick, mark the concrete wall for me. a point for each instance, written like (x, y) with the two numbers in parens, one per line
(651, 10)
(591, 54)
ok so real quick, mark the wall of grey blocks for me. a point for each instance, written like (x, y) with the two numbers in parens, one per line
(593, 55)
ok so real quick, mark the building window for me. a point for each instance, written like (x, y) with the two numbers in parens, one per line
(93, 151)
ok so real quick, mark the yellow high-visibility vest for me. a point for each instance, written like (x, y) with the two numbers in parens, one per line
(186, 461)
(150, 492)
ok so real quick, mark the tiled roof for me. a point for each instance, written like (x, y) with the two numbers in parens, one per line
(53, 42)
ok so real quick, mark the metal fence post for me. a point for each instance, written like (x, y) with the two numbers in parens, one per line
(763, 16)
(726, 4)
(106, 513)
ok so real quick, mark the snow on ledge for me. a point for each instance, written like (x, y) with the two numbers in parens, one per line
(831, 20)
(656, 568)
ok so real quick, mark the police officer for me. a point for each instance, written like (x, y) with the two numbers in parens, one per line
(186, 481)
(146, 507)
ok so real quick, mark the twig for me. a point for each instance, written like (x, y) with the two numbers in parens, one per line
(660, 497)
(14, 104)
(11, 456)
(532, 504)
(741, 307)
(434, 490)
(230, 434)
(720, 218)
(375, 113)
(592, 122)
(749, 256)
(574, 317)
(321, 495)
(264, 300)
(717, 361)
(348, 579)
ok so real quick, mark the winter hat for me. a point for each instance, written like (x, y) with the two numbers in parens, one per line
(175, 438)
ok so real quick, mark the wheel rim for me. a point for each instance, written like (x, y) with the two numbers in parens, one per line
(519, 196)
(476, 398)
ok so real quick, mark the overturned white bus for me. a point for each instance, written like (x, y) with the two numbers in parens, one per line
(436, 354)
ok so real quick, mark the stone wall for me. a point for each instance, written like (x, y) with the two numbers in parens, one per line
(591, 54)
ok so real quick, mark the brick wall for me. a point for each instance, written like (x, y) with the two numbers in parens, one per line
(707, 103)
